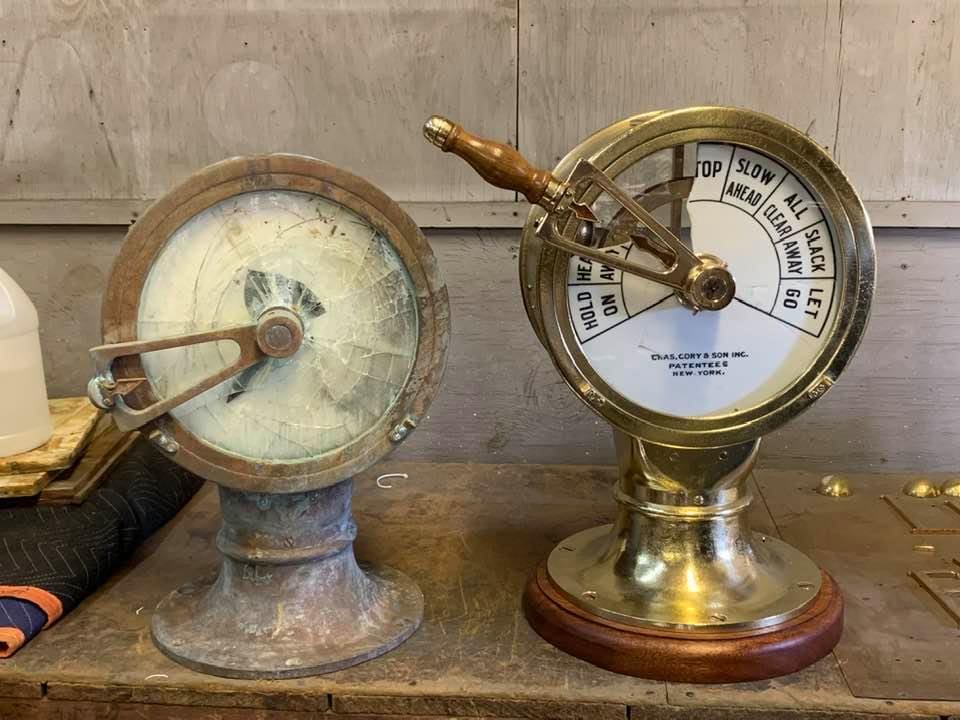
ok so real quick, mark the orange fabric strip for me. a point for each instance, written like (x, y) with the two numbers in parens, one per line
(47, 602)
(11, 640)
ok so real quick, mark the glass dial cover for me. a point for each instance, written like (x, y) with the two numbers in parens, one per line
(768, 226)
(281, 248)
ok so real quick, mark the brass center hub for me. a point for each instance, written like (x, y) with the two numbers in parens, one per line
(279, 332)
(710, 285)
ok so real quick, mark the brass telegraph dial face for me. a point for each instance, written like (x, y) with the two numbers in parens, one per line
(698, 277)
(279, 323)
(639, 338)
(738, 189)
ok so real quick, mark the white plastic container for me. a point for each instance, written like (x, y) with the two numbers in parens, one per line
(24, 414)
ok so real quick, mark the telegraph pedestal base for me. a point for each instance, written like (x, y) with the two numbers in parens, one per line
(694, 657)
(290, 599)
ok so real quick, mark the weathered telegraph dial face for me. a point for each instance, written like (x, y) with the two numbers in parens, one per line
(276, 325)
(356, 314)
(699, 277)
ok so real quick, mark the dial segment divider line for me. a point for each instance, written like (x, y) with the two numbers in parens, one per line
(786, 173)
(779, 265)
(623, 298)
(833, 253)
(769, 238)
(778, 319)
(797, 232)
(621, 322)
(754, 213)
(726, 177)
(623, 301)
(775, 188)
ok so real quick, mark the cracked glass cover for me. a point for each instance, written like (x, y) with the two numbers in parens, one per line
(271, 248)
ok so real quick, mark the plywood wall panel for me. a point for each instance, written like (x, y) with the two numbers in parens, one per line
(877, 82)
(117, 100)
(73, 100)
(502, 401)
(351, 83)
(899, 98)
(122, 99)
(587, 63)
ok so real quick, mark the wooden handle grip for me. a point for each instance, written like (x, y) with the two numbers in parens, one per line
(497, 163)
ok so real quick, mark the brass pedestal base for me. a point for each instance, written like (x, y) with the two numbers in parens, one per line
(290, 599)
(695, 657)
(679, 587)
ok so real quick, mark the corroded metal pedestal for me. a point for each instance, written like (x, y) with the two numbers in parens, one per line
(278, 367)
(290, 599)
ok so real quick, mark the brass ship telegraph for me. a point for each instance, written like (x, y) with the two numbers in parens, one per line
(699, 277)
(276, 325)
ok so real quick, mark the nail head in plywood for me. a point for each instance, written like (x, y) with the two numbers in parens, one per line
(951, 487)
(835, 486)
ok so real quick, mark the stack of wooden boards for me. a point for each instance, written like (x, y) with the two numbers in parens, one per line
(84, 445)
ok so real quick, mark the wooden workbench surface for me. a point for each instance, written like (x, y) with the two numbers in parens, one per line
(470, 535)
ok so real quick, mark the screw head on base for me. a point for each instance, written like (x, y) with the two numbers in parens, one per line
(834, 486)
(921, 488)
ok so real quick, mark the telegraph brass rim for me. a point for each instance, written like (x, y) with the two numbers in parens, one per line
(235, 176)
(853, 236)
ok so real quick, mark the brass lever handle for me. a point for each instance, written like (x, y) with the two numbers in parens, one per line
(703, 282)
(496, 162)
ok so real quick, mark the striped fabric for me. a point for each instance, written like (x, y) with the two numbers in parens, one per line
(51, 557)
(20, 620)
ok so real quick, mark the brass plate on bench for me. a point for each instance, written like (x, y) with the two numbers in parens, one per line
(899, 641)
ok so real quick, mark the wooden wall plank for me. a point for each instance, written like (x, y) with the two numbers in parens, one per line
(487, 214)
(122, 100)
(900, 94)
(894, 409)
(502, 401)
(349, 82)
(587, 63)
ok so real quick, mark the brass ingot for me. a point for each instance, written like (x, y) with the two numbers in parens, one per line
(835, 486)
(951, 487)
(921, 488)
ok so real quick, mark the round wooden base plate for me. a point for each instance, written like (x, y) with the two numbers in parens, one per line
(732, 656)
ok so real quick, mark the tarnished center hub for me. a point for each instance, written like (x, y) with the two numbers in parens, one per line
(279, 332)
(710, 285)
